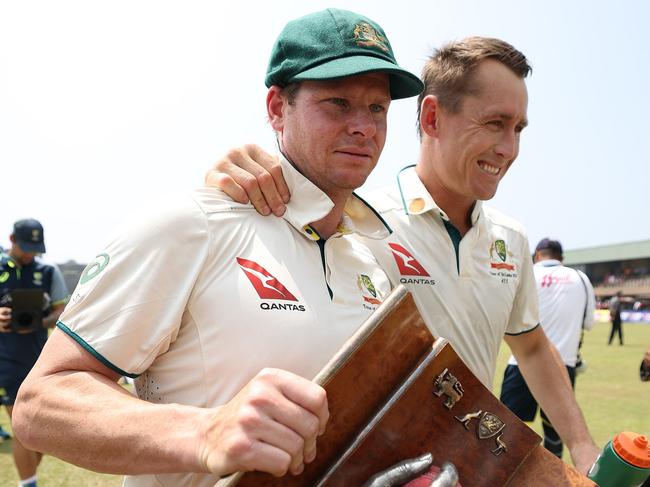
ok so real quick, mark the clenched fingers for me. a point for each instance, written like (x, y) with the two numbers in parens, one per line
(304, 409)
(302, 392)
(277, 409)
(5, 320)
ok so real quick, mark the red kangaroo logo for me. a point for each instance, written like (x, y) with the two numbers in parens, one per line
(406, 263)
(267, 286)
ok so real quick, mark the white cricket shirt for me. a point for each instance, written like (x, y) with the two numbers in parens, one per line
(197, 296)
(472, 302)
(565, 298)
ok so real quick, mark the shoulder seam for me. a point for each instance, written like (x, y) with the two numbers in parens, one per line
(228, 205)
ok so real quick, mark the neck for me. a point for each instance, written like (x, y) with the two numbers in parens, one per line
(16, 257)
(457, 207)
(540, 257)
(326, 227)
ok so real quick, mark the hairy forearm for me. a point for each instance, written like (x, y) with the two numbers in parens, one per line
(85, 419)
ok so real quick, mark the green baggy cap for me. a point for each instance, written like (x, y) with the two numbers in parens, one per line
(336, 43)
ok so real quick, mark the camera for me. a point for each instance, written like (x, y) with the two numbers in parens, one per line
(26, 309)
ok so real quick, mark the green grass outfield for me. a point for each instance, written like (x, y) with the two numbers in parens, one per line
(610, 393)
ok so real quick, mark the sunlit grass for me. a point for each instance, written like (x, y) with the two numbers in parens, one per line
(610, 393)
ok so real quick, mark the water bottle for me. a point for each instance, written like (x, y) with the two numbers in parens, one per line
(624, 462)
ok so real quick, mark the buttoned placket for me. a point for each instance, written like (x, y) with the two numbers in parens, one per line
(322, 248)
(469, 242)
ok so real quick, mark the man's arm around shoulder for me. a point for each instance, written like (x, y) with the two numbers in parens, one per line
(71, 406)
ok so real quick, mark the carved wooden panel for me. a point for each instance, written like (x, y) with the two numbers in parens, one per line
(395, 392)
(418, 422)
(370, 366)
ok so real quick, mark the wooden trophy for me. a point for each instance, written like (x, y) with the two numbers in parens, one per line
(396, 392)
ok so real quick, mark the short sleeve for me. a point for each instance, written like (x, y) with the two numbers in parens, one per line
(59, 291)
(525, 310)
(130, 300)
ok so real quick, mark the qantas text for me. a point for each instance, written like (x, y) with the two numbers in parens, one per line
(417, 280)
(283, 306)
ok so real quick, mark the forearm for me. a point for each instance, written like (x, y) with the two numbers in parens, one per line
(85, 419)
(70, 406)
(547, 379)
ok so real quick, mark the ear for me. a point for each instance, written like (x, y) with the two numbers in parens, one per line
(275, 103)
(429, 115)
(12, 238)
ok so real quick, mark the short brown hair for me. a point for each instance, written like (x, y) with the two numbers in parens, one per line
(447, 74)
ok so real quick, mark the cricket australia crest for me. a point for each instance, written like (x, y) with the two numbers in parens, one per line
(501, 258)
(368, 290)
(366, 35)
(501, 249)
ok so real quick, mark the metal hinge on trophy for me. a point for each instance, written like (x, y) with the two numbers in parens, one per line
(446, 383)
(489, 425)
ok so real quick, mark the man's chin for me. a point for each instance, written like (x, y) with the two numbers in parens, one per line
(353, 186)
(486, 193)
(352, 181)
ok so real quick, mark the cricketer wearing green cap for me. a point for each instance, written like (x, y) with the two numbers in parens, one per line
(334, 44)
(467, 265)
(223, 316)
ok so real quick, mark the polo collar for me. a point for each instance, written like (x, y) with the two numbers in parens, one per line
(309, 204)
(549, 263)
(416, 200)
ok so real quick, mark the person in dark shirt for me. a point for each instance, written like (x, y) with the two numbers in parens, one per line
(615, 316)
(21, 269)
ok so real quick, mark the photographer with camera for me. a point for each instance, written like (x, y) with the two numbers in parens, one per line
(32, 296)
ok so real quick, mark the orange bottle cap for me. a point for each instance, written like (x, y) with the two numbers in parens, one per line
(633, 448)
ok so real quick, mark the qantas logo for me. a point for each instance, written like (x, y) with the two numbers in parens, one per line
(267, 286)
(408, 266)
(406, 263)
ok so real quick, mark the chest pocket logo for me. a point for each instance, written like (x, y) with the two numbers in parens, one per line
(38, 278)
(499, 247)
(406, 263)
(367, 289)
(266, 285)
(502, 265)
